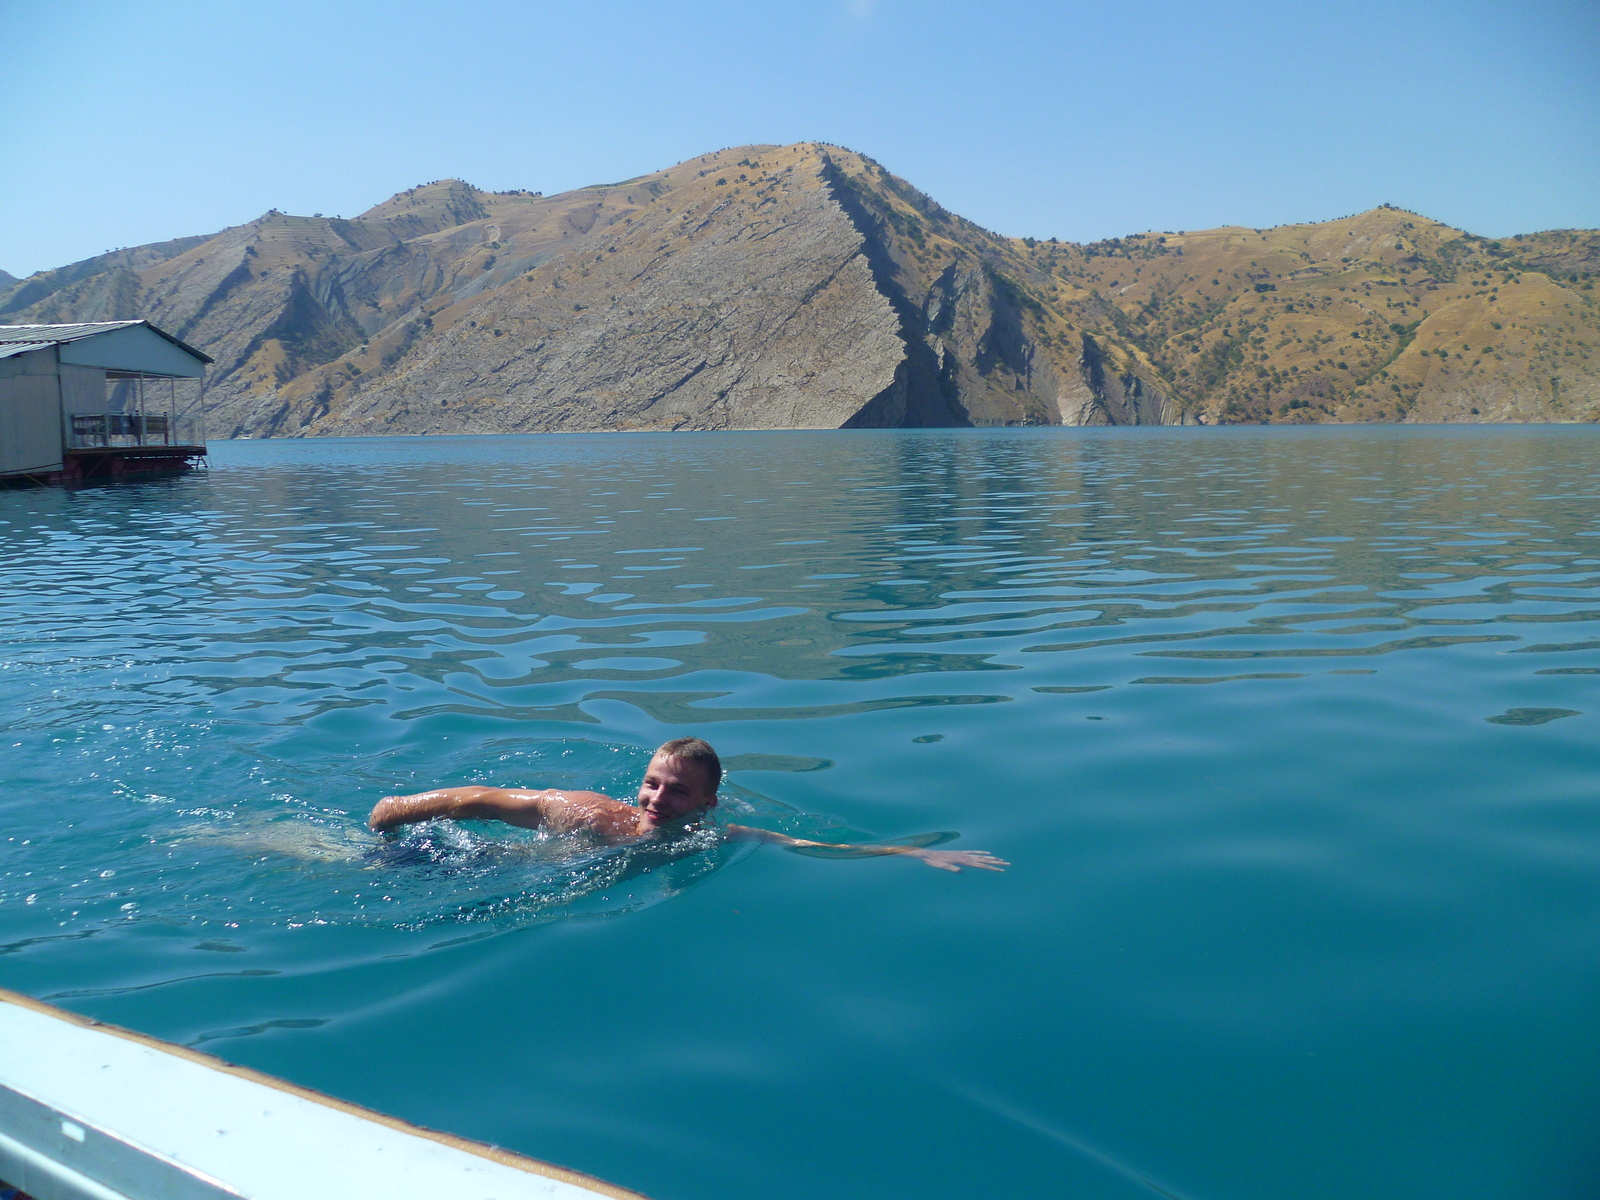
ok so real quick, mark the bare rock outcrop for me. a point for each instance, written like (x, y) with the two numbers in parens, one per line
(716, 305)
(805, 286)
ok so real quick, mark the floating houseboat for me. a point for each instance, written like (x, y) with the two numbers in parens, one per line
(93, 1112)
(98, 400)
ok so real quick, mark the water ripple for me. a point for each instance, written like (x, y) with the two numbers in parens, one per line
(1361, 791)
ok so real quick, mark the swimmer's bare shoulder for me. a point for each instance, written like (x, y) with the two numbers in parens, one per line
(558, 810)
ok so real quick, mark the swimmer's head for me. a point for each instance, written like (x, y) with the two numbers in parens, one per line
(681, 780)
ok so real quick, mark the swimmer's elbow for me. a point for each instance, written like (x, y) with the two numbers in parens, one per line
(514, 807)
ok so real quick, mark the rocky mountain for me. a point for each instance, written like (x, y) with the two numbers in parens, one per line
(805, 286)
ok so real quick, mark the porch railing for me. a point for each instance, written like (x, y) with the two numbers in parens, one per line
(111, 431)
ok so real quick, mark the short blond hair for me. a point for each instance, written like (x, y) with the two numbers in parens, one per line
(698, 751)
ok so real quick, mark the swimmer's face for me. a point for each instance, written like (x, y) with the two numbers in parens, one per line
(672, 789)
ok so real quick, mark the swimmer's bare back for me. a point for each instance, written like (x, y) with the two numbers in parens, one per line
(616, 821)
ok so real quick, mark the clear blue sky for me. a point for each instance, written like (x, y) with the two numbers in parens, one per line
(129, 121)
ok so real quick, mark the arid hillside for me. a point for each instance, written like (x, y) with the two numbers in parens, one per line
(1381, 316)
(805, 286)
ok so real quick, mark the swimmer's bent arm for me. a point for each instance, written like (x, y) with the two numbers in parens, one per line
(514, 806)
(944, 860)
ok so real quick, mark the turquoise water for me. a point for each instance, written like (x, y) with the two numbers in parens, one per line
(1292, 737)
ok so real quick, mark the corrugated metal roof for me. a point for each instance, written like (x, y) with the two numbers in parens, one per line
(9, 349)
(59, 333)
(49, 335)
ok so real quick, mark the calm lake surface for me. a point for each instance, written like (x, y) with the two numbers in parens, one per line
(1292, 737)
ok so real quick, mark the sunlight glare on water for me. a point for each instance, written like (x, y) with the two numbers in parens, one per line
(1291, 737)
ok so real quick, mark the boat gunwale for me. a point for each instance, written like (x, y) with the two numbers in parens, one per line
(495, 1154)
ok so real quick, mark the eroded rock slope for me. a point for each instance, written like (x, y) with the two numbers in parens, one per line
(806, 287)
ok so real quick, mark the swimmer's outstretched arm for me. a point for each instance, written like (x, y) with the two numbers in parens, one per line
(945, 860)
(514, 806)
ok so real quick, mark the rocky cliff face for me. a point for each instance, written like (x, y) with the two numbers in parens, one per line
(764, 287)
(806, 287)
(688, 300)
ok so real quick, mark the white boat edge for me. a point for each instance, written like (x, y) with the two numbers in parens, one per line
(91, 1111)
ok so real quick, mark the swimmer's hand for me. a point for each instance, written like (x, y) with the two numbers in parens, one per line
(956, 860)
(944, 860)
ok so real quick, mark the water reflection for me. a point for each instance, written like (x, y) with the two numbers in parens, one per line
(261, 648)
(1290, 734)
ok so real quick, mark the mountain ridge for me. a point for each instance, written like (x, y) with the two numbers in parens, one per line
(805, 286)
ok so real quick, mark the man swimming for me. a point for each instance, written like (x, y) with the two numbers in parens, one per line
(679, 786)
